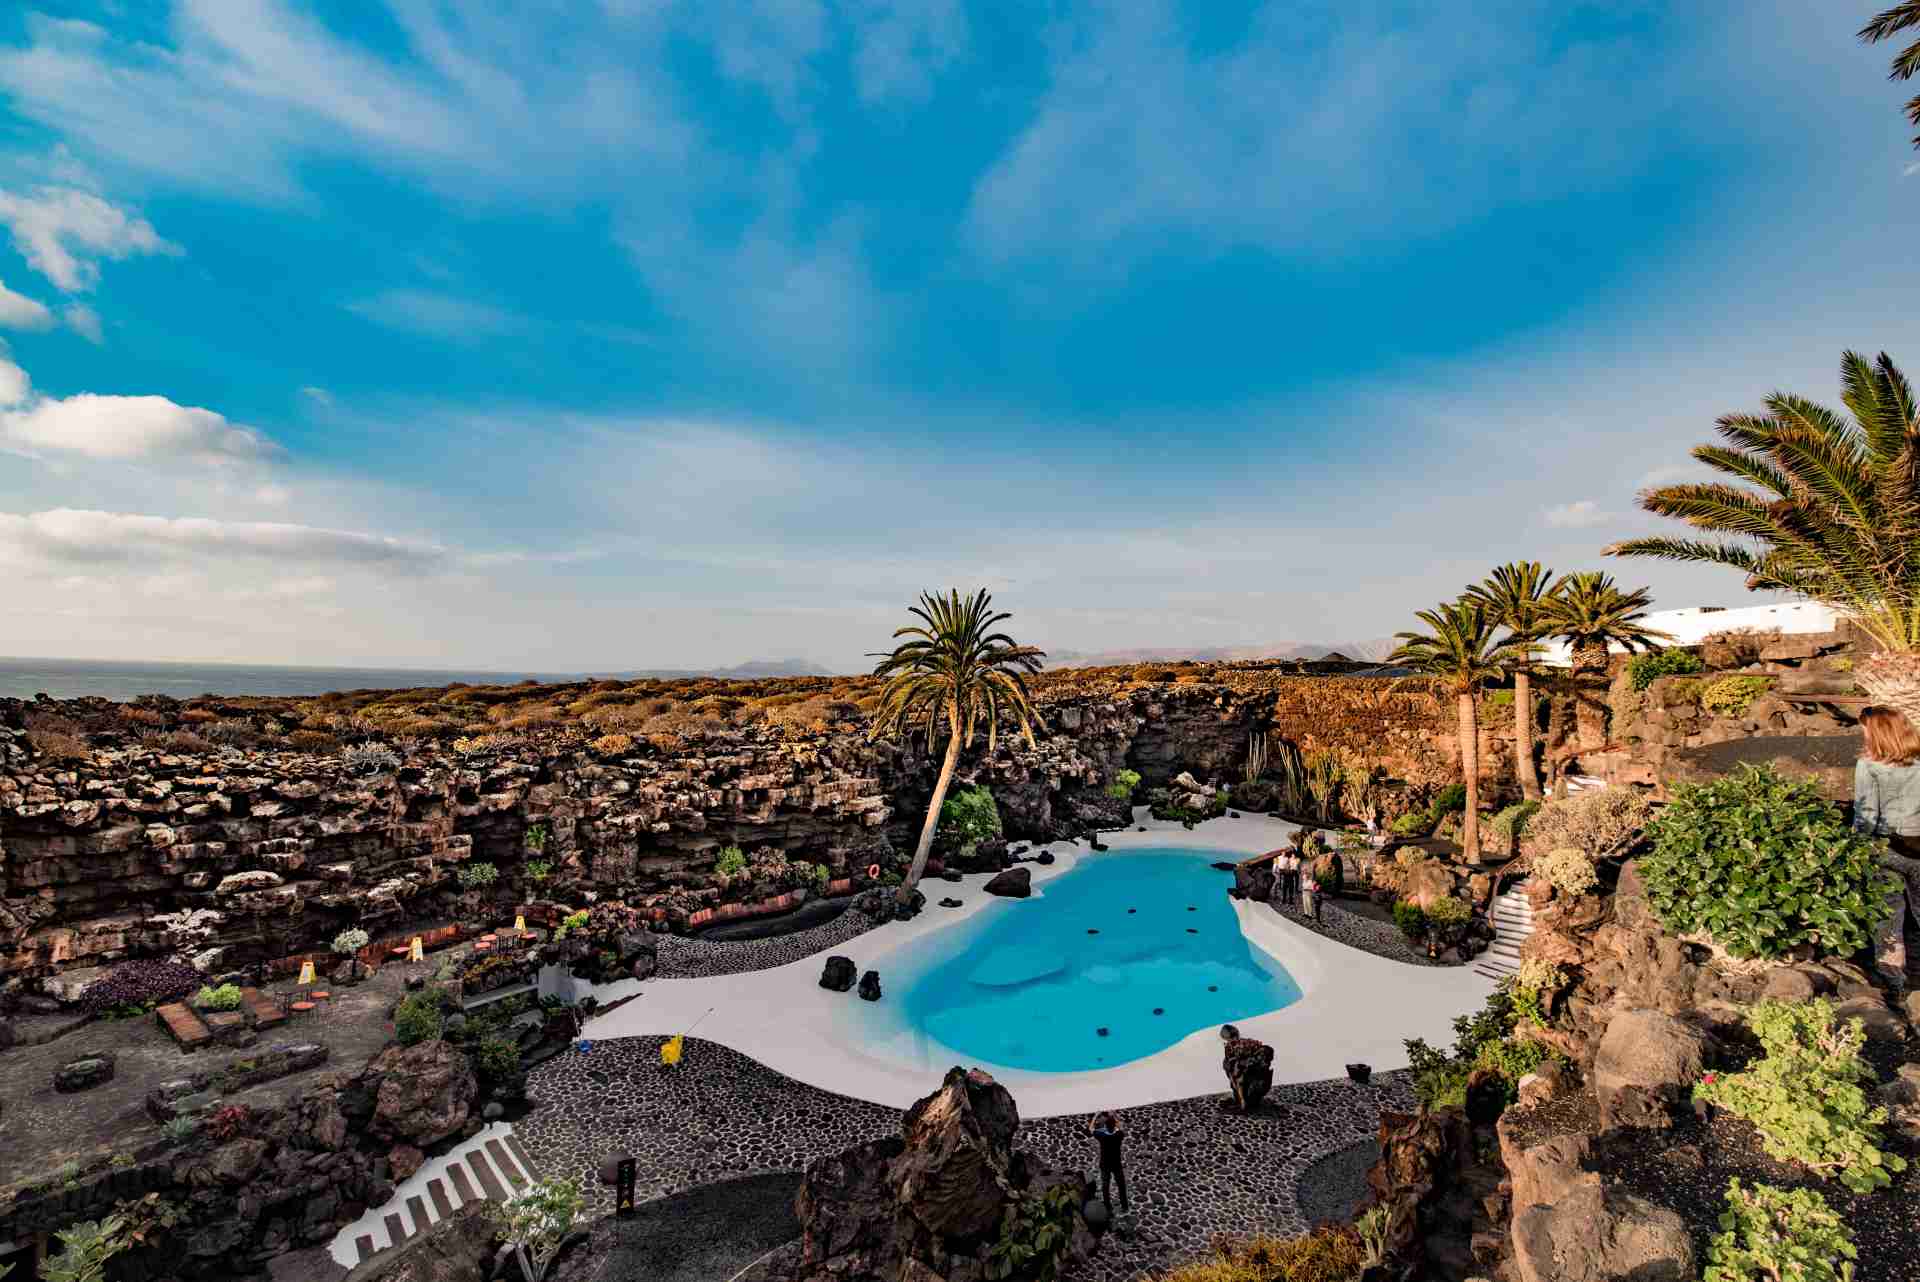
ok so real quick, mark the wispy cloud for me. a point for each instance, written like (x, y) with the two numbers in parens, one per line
(17, 311)
(1581, 514)
(63, 232)
(439, 315)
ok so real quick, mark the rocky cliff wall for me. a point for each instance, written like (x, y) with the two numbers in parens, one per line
(117, 847)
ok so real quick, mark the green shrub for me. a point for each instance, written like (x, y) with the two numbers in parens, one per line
(1685, 690)
(1034, 1236)
(1498, 698)
(1644, 669)
(1412, 824)
(1123, 784)
(1410, 919)
(417, 1019)
(496, 1057)
(969, 817)
(538, 870)
(225, 997)
(1510, 823)
(477, 876)
(1732, 696)
(1531, 989)
(1806, 1096)
(1600, 823)
(1513, 1058)
(730, 861)
(1762, 864)
(1483, 1039)
(1450, 800)
(350, 941)
(1567, 870)
(1768, 1234)
(1449, 912)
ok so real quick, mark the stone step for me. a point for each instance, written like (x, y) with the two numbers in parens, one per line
(505, 1165)
(262, 1009)
(437, 1190)
(483, 1172)
(1495, 969)
(520, 1155)
(185, 1026)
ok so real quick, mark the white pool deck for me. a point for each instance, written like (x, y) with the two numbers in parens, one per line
(1355, 1007)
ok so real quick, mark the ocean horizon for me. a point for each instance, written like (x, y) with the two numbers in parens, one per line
(24, 678)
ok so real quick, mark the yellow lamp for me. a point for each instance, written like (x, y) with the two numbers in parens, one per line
(418, 952)
(306, 974)
(519, 923)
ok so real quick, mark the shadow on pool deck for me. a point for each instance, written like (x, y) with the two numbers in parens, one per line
(706, 1235)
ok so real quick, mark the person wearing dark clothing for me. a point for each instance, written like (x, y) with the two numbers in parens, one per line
(1886, 803)
(1107, 1132)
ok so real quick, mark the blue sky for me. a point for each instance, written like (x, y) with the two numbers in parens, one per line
(651, 333)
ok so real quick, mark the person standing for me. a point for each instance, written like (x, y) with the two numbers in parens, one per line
(1289, 879)
(1108, 1131)
(1886, 803)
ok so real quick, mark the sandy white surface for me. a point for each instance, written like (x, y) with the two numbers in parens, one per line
(1355, 1007)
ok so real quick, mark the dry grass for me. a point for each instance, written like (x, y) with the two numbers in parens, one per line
(1325, 1255)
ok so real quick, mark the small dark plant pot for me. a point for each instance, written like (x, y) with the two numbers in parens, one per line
(1360, 1073)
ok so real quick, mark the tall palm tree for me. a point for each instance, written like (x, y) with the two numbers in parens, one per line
(1887, 24)
(958, 673)
(1513, 596)
(1463, 652)
(1590, 611)
(1829, 509)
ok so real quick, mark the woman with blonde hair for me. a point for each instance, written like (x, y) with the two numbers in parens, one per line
(1886, 803)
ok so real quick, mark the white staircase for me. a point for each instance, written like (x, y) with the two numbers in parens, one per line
(1512, 923)
(491, 1166)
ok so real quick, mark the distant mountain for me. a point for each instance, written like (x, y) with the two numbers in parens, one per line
(751, 670)
(1367, 651)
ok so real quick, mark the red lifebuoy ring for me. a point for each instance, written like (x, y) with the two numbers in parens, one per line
(873, 872)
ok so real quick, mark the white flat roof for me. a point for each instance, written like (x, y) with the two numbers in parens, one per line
(1354, 1007)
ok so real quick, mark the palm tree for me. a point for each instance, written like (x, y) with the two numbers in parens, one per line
(1904, 16)
(959, 673)
(1829, 509)
(1461, 650)
(1512, 596)
(1593, 615)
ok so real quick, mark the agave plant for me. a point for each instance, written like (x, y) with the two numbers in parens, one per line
(1821, 506)
(1515, 596)
(955, 674)
(1463, 651)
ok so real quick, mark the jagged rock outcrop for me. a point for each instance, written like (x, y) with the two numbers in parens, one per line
(929, 1203)
(1645, 1068)
(1248, 1064)
(1594, 1233)
(425, 1092)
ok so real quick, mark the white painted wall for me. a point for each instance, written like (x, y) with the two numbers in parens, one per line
(1695, 624)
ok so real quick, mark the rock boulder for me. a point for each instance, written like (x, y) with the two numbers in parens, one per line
(1014, 883)
(1597, 1234)
(426, 1092)
(838, 974)
(1249, 1068)
(1646, 1067)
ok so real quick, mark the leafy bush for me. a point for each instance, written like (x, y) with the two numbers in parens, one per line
(1440, 1079)
(1768, 1234)
(417, 1018)
(1449, 912)
(536, 1223)
(536, 838)
(369, 758)
(969, 817)
(228, 1121)
(1412, 824)
(496, 1057)
(1531, 989)
(1034, 1236)
(225, 997)
(1123, 784)
(85, 1249)
(1600, 823)
(1409, 917)
(477, 876)
(1567, 870)
(730, 861)
(350, 941)
(1762, 864)
(538, 870)
(612, 745)
(1510, 823)
(139, 985)
(1450, 800)
(1806, 1096)
(1513, 1058)
(180, 1129)
(1644, 669)
(1732, 696)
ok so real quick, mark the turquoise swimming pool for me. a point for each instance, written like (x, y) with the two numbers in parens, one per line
(1117, 959)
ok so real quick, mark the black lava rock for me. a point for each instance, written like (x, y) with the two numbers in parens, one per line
(838, 974)
(870, 986)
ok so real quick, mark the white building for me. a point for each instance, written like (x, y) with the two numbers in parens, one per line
(1695, 624)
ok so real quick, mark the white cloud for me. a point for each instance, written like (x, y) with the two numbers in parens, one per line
(119, 427)
(1580, 514)
(421, 311)
(1670, 475)
(68, 536)
(17, 311)
(901, 46)
(61, 231)
(319, 396)
(84, 321)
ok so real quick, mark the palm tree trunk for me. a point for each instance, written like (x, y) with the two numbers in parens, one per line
(1590, 710)
(1556, 734)
(1523, 765)
(1470, 773)
(933, 810)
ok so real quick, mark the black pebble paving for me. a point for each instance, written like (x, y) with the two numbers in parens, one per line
(1196, 1168)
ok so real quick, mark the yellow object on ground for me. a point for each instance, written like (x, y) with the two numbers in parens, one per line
(670, 1049)
(306, 975)
(419, 953)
